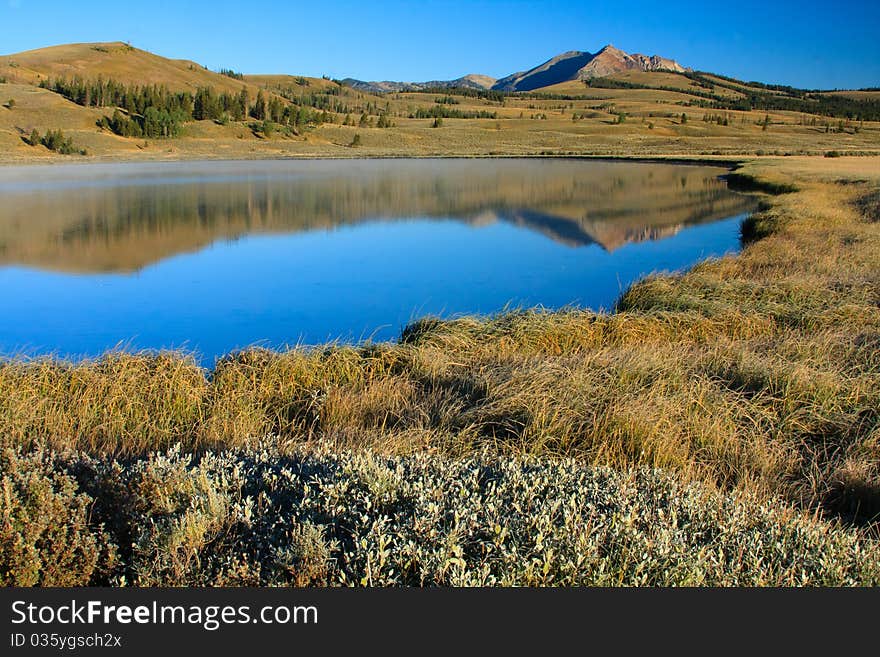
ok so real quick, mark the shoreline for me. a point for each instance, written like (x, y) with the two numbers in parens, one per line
(721, 161)
(711, 396)
(208, 364)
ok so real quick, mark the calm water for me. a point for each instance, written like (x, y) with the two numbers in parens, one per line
(217, 256)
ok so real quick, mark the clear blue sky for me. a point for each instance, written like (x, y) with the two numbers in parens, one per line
(804, 43)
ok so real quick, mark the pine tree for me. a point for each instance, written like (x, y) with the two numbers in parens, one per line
(240, 109)
(258, 111)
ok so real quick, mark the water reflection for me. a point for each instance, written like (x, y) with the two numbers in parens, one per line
(122, 218)
(218, 256)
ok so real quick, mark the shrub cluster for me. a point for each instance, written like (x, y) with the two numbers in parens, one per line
(264, 515)
(55, 140)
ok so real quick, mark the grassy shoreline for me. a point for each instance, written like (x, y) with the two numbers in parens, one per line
(730, 161)
(756, 375)
(684, 159)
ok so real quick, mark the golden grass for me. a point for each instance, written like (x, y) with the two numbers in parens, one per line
(114, 60)
(758, 371)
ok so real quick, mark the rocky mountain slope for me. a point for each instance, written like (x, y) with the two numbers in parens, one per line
(571, 65)
(577, 65)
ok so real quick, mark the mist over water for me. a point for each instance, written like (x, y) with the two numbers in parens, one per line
(216, 256)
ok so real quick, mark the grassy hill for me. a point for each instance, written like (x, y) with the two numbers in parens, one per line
(634, 113)
(115, 60)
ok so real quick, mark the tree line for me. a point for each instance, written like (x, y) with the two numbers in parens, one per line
(156, 112)
(446, 112)
(765, 99)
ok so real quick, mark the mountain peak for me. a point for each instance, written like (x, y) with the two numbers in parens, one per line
(579, 65)
(611, 60)
(564, 67)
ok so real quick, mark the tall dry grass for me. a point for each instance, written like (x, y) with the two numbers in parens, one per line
(760, 371)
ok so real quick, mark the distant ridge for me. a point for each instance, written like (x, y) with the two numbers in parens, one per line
(567, 66)
(471, 81)
(558, 69)
(577, 65)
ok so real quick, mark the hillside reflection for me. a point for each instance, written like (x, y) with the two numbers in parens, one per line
(122, 218)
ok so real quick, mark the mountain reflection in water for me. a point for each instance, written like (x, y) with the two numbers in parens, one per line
(216, 256)
(121, 218)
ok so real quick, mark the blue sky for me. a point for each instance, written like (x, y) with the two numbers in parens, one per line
(804, 43)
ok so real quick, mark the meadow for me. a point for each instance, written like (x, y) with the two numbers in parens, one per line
(633, 114)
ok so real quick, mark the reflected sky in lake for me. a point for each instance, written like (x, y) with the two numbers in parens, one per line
(217, 256)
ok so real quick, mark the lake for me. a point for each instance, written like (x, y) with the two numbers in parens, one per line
(216, 256)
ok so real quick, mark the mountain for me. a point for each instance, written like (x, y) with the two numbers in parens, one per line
(561, 68)
(471, 81)
(124, 63)
(571, 65)
(577, 65)
(611, 60)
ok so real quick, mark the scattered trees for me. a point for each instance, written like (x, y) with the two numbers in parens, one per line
(719, 119)
(154, 111)
(55, 140)
(444, 112)
(154, 123)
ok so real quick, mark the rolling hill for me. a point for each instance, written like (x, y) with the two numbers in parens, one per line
(470, 81)
(115, 60)
(610, 103)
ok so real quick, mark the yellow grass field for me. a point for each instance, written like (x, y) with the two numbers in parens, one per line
(564, 119)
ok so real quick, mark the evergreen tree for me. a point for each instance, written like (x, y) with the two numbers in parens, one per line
(240, 110)
(258, 111)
